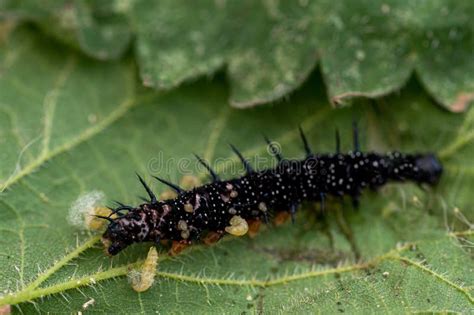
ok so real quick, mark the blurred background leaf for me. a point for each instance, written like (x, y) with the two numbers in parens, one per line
(268, 48)
(70, 125)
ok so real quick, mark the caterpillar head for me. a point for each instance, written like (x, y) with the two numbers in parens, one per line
(125, 230)
(420, 168)
(429, 169)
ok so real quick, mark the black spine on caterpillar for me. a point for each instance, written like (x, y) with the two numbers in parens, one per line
(259, 194)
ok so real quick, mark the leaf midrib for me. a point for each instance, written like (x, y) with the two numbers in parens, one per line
(32, 291)
(120, 111)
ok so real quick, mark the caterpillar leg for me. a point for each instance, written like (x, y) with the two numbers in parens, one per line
(355, 202)
(346, 229)
(177, 247)
(322, 223)
(212, 237)
(254, 227)
(323, 202)
(293, 212)
(355, 196)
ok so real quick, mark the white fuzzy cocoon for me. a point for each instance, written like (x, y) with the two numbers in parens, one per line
(84, 207)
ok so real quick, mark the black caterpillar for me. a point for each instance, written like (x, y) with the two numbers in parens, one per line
(226, 205)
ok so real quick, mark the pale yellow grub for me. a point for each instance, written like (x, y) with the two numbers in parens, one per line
(190, 182)
(168, 194)
(143, 278)
(233, 194)
(188, 207)
(182, 225)
(96, 224)
(185, 234)
(262, 206)
(238, 226)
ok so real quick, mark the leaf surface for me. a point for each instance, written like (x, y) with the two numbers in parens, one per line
(268, 48)
(69, 125)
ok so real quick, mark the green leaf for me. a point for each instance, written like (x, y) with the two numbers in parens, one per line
(268, 48)
(92, 26)
(69, 125)
(366, 48)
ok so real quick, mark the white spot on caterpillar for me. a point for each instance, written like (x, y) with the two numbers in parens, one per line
(82, 211)
(143, 279)
(238, 226)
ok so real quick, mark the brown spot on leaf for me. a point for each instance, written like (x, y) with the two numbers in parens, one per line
(461, 102)
(5, 309)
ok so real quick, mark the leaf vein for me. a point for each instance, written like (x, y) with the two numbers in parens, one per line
(434, 274)
(51, 100)
(219, 124)
(84, 136)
